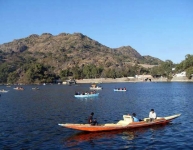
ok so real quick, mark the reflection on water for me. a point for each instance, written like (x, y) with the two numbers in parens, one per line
(126, 135)
(86, 98)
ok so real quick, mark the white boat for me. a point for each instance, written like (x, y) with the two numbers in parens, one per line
(18, 88)
(4, 91)
(87, 95)
(35, 88)
(96, 88)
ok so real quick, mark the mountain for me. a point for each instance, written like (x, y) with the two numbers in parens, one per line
(65, 51)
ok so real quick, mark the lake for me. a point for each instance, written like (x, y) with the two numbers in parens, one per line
(29, 119)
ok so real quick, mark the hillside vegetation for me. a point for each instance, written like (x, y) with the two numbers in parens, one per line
(45, 58)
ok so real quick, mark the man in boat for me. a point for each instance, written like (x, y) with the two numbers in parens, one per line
(152, 115)
(91, 120)
(135, 119)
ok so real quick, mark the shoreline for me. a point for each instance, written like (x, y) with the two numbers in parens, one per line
(117, 80)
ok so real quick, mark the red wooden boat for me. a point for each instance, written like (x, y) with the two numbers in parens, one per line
(127, 123)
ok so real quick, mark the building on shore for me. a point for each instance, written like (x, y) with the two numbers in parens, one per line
(144, 77)
(182, 74)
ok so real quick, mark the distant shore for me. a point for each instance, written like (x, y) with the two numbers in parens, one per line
(125, 79)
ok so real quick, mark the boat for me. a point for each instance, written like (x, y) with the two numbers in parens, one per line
(120, 89)
(87, 95)
(4, 91)
(126, 123)
(18, 88)
(35, 88)
(95, 87)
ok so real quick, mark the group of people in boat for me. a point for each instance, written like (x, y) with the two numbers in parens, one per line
(152, 116)
(19, 88)
(85, 93)
(95, 86)
(120, 88)
(2, 90)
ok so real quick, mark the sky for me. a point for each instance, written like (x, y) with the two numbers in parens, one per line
(159, 28)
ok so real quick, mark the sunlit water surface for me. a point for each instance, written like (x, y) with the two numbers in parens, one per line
(29, 119)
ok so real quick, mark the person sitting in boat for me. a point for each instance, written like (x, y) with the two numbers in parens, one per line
(152, 115)
(135, 119)
(91, 120)
(76, 93)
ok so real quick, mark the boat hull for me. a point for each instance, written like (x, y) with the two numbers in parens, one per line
(3, 91)
(97, 88)
(112, 126)
(119, 90)
(88, 95)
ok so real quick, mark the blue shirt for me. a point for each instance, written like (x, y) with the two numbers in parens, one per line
(135, 119)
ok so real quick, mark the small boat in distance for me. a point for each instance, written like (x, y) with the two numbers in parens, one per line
(86, 94)
(120, 89)
(126, 123)
(95, 87)
(35, 88)
(18, 88)
(4, 91)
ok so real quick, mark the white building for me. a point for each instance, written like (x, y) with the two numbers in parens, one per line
(182, 74)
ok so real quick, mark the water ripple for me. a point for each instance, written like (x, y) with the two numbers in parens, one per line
(29, 119)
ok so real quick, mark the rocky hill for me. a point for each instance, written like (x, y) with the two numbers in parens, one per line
(67, 50)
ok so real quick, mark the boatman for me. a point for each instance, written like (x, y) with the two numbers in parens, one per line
(152, 115)
(91, 120)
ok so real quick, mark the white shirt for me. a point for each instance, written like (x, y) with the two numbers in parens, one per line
(152, 115)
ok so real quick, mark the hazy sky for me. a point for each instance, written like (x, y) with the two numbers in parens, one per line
(159, 28)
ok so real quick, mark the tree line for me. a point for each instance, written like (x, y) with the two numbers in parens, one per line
(32, 72)
(165, 69)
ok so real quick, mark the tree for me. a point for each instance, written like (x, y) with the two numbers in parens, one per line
(188, 61)
(76, 72)
(186, 65)
(13, 77)
(94, 71)
(5, 69)
(165, 69)
(37, 73)
(189, 72)
(64, 74)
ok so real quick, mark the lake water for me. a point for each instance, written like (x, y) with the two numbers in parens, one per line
(29, 119)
